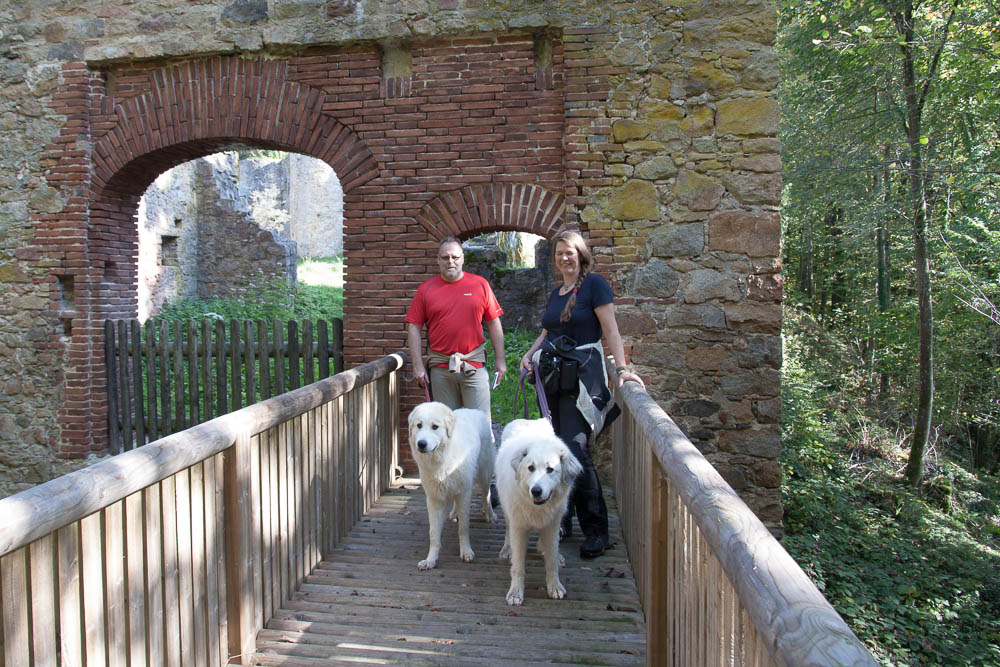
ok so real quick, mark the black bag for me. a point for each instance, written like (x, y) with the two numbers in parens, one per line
(548, 369)
(559, 373)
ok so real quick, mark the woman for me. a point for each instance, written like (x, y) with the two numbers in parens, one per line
(571, 364)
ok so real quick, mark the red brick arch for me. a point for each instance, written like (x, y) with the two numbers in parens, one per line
(193, 109)
(142, 124)
(475, 209)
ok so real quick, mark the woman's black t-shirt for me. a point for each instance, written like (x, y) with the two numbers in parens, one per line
(583, 325)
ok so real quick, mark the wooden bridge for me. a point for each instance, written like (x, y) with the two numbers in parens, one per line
(280, 534)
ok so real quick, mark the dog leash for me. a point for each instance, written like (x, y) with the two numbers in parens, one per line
(543, 402)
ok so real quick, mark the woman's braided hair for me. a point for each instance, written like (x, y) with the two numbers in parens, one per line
(575, 241)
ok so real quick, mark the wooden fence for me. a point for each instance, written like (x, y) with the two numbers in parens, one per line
(717, 588)
(178, 552)
(164, 379)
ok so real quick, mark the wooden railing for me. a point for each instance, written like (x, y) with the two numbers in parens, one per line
(716, 587)
(168, 377)
(178, 552)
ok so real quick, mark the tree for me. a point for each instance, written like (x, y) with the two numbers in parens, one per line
(891, 118)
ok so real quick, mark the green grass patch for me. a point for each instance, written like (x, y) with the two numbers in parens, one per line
(516, 343)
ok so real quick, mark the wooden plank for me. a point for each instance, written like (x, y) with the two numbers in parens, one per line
(194, 393)
(323, 348)
(269, 539)
(257, 538)
(166, 422)
(70, 622)
(249, 363)
(199, 568)
(239, 551)
(116, 594)
(114, 402)
(338, 345)
(153, 540)
(279, 357)
(135, 577)
(185, 571)
(217, 555)
(309, 358)
(657, 609)
(177, 352)
(94, 620)
(124, 387)
(264, 357)
(294, 372)
(236, 361)
(15, 593)
(221, 385)
(205, 364)
(171, 573)
(135, 350)
(346, 610)
(149, 355)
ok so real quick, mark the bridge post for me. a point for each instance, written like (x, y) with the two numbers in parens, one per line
(237, 502)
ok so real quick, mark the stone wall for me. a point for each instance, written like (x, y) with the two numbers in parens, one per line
(235, 256)
(649, 124)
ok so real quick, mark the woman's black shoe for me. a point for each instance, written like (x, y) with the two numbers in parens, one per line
(593, 546)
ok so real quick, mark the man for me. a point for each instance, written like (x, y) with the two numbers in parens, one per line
(453, 306)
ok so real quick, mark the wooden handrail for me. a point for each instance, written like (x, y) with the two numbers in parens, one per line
(791, 618)
(45, 508)
(177, 553)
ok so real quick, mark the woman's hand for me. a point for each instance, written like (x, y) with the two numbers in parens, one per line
(526, 364)
(629, 376)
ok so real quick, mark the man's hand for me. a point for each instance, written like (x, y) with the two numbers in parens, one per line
(420, 374)
(500, 369)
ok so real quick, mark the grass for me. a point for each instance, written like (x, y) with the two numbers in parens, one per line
(912, 571)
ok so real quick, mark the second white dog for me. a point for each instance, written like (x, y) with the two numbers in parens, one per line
(535, 472)
(454, 453)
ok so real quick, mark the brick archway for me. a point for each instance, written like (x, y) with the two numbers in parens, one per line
(476, 209)
(145, 124)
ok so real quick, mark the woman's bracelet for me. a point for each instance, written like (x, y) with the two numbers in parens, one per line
(620, 369)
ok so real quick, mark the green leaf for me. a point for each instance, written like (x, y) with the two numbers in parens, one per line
(924, 140)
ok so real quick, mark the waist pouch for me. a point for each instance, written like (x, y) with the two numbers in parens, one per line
(558, 374)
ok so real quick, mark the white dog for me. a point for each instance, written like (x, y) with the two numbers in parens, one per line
(454, 453)
(535, 472)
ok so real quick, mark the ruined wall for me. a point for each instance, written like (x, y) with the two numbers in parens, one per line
(650, 124)
(235, 257)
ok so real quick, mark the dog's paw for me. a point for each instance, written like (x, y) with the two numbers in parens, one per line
(515, 596)
(562, 560)
(504, 552)
(426, 564)
(467, 555)
(491, 516)
(556, 590)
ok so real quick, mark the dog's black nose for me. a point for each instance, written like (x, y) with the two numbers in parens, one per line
(536, 492)
(422, 445)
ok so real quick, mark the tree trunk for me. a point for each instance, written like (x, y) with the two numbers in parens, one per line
(918, 204)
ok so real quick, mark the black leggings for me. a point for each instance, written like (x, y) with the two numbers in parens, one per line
(587, 499)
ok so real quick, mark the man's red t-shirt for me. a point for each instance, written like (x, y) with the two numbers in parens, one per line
(454, 312)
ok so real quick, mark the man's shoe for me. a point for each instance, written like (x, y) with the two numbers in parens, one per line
(593, 546)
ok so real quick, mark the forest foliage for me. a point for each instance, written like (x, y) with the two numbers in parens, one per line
(891, 155)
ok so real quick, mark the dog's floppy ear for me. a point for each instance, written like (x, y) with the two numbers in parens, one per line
(515, 462)
(449, 422)
(571, 467)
